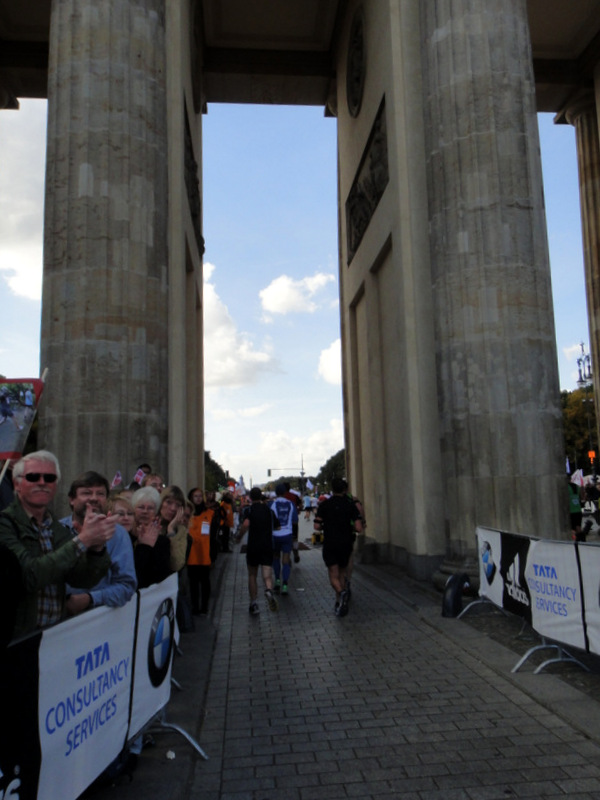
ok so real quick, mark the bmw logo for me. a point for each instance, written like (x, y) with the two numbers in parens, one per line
(160, 642)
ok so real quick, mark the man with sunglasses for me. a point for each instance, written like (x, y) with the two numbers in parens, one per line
(48, 554)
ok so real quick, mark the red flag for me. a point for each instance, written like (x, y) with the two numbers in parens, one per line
(139, 476)
(116, 480)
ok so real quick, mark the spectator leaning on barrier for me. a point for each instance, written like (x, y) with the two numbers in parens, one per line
(151, 550)
(90, 492)
(48, 555)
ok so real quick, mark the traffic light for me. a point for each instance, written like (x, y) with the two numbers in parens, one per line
(269, 473)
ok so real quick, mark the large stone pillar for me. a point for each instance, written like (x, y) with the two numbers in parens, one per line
(390, 398)
(582, 113)
(105, 303)
(498, 389)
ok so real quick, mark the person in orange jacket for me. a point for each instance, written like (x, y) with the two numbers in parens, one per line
(204, 531)
(227, 521)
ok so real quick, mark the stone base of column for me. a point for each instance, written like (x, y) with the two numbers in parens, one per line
(418, 567)
(450, 566)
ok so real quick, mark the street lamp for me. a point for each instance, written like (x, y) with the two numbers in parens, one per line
(286, 469)
(584, 367)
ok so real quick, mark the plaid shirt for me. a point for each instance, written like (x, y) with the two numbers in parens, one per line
(49, 604)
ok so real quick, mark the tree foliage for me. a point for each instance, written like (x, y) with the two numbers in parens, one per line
(295, 482)
(335, 467)
(214, 474)
(581, 434)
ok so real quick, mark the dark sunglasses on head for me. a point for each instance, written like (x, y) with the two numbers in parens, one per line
(33, 477)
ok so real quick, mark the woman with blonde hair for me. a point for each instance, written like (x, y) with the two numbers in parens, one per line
(121, 506)
(170, 515)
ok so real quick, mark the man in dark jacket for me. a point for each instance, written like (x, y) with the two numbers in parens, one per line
(48, 555)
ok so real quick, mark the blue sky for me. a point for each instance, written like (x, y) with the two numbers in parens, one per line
(273, 393)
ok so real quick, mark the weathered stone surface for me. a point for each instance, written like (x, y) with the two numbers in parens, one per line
(497, 373)
(104, 320)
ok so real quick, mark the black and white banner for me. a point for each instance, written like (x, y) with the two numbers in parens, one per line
(554, 585)
(68, 692)
(153, 652)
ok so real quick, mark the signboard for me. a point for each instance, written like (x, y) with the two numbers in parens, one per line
(74, 694)
(554, 585)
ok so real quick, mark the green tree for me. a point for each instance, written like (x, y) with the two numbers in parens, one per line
(214, 474)
(335, 467)
(295, 482)
(579, 420)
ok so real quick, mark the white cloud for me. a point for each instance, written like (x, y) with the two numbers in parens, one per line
(281, 449)
(207, 271)
(241, 413)
(285, 295)
(21, 268)
(230, 357)
(572, 352)
(278, 449)
(22, 135)
(330, 363)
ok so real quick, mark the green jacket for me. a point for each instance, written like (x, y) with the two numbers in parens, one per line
(63, 565)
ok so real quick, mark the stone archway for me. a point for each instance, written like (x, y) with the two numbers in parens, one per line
(443, 263)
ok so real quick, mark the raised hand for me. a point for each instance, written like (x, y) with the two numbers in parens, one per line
(97, 529)
(148, 534)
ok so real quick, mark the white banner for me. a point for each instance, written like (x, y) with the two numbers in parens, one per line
(552, 576)
(589, 556)
(85, 673)
(541, 580)
(154, 652)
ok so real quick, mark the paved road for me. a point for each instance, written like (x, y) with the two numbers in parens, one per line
(392, 701)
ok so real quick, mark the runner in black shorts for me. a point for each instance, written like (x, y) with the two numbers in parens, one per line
(339, 519)
(260, 522)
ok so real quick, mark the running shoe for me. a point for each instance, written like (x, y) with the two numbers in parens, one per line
(343, 609)
(277, 588)
(271, 600)
(284, 588)
(254, 609)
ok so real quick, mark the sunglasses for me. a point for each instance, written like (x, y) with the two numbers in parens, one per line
(34, 477)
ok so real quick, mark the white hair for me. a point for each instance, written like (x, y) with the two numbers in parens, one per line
(40, 455)
(147, 493)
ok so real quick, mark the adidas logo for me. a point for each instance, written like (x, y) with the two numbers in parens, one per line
(513, 584)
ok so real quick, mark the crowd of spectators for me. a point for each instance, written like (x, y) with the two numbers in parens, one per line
(115, 540)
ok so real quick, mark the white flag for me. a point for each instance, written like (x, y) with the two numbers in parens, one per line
(577, 478)
(309, 484)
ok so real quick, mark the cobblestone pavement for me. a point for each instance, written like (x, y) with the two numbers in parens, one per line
(392, 701)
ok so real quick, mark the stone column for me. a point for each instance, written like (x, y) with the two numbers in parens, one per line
(583, 115)
(498, 389)
(105, 304)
